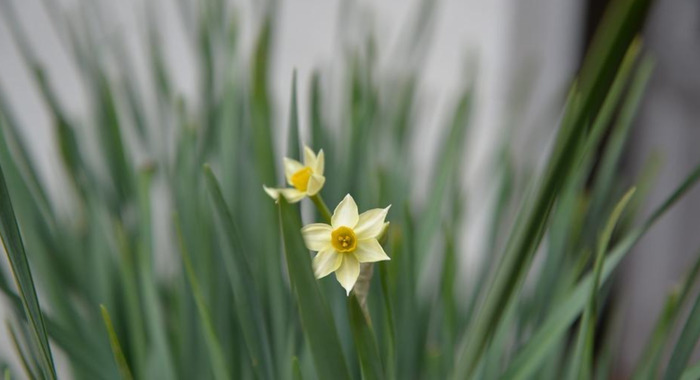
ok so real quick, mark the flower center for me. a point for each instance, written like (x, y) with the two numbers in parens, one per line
(343, 239)
(300, 179)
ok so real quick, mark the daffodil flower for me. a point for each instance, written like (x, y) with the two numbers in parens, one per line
(305, 179)
(351, 239)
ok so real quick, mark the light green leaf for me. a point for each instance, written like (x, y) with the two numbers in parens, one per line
(14, 249)
(116, 347)
(365, 341)
(316, 318)
(248, 308)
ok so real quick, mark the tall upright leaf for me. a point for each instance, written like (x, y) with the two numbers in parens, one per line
(14, 249)
(316, 318)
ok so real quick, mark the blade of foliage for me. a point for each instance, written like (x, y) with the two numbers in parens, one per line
(293, 139)
(249, 310)
(14, 249)
(296, 369)
(686, 343)
(581, 367)
(649, 360)
(216, 356)
(116, 347)
(544, 340)
(692, 373)
(623, 19)
(316, 318)
(448, 165)
(24, 360)
(365, 341)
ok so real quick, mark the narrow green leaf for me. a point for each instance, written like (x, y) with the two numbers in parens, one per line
(692, 372)
(623, 19)
(390, 355)
(116, 347)
(261, 107)
(293, 139)
(543, 341)
(14, 249)
(20, 353)
(446, 172)
(296, 369)
(246, 297)
(112, 143)
(365, 341)
(161, 364)
(216, 356)
(649, 361)
(686, 341)
(316, 318)
(582, 365)
(134, 319)
(685, 344)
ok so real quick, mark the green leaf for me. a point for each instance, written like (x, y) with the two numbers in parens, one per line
(24, 360)
(161, 363)
(293, 140)
(446, 172)
(582, 365)
(623, 19)
(261, 107)
(544, 340)
(316, 318)
(692, 372)
(14, 248)
(245, 295)
(685, 344)
(650, 358)
(296, 369)
(365, 341)
(116, 347)
(216, 356)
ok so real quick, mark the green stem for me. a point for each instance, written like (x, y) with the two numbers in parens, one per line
(321, 206)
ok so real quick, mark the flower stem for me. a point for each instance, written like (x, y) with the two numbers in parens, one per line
(321, 206)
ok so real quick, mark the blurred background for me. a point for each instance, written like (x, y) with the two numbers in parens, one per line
(520, 55)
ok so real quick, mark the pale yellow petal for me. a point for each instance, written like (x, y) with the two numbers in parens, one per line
(345, 213)
(315, 184)
(348, 272)
(273, 193)
(371, 223)
(291, 167)
(320, 162)
(292, 195)
(369, 251)
(326, 262)
(309, 158)
(317, 236)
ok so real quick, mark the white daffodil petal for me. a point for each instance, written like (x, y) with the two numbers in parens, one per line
(317, 236)
(309, 158)
(326, 262)
(371, 223)
(291, 195)
(315, 184)
(348, 272)
(369, 251)
(273, 193)
(291, 167)
(320, 163)
(345, 214)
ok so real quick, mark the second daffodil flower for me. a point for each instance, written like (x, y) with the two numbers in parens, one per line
(351, 239)
(305, 179)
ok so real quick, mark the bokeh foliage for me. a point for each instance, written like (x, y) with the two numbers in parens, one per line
(230, 293)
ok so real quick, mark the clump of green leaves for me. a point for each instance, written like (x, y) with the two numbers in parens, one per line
(240, 300)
